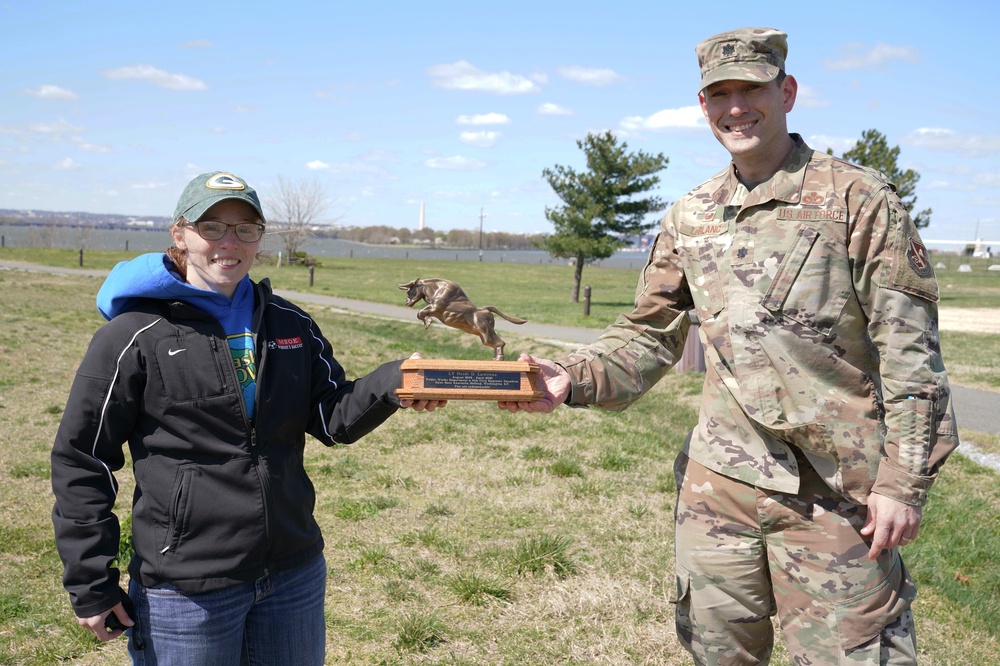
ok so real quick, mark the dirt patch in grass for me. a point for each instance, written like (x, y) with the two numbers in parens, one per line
(969, 320)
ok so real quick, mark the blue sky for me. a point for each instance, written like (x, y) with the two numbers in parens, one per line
(111, 107)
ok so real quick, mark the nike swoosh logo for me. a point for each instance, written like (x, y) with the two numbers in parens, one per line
(174, 352)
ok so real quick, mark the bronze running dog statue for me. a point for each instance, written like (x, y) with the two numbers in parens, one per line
(448, 303)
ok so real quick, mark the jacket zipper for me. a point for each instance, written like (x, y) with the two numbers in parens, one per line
(262, 480)
(261, 352)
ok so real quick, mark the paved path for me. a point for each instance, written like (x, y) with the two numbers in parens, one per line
(975, 409)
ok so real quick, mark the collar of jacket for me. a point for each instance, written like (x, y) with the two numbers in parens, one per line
(785, 185)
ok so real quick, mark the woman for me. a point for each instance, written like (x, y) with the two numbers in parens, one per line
(214, 382)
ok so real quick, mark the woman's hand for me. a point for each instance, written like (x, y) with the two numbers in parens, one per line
(97, 624)
(421, 405)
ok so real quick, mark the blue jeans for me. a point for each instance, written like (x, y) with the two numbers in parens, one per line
(276, 620)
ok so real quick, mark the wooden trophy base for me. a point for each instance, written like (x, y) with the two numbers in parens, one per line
(436, 379)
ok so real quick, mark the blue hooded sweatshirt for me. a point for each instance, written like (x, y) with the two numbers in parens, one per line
(153, 276)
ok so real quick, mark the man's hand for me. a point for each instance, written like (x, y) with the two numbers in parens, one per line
(553, 382)
(97, 624)
(890, 523)
(422, 405)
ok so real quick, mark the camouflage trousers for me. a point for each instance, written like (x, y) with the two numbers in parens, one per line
(745, 554)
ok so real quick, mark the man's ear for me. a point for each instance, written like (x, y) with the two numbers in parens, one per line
(789, 90)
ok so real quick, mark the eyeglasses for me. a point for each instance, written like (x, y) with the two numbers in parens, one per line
(210, 230)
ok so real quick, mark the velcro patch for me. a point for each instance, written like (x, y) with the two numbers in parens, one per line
(916, 254)
(912, 271)
(813, 214)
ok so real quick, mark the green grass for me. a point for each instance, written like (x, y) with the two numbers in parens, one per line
(479, 589)
(545, 553)
(450, 537)
(979, 288)
(972, 359)
(538, 293)
(420, 631)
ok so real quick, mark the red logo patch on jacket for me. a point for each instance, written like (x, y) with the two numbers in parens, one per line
(916, 254)
(286, 343)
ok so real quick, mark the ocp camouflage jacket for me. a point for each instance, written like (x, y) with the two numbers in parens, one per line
(817, 308)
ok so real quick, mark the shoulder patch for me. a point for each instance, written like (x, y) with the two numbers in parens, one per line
(916, 255)
(911, 269)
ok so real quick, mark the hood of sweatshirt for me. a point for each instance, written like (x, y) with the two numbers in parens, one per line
(153, 276)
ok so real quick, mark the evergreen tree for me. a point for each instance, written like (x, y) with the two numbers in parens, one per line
(873, 151)
(601, 205)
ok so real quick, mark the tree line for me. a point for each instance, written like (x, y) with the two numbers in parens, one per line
(604, 206)
(455, 238)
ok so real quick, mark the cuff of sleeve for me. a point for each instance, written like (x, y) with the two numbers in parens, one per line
(581, 390)
(897, 484)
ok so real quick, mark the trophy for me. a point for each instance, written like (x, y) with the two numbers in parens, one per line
(429, 379)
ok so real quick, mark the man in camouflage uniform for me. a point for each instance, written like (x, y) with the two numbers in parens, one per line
(826, 411)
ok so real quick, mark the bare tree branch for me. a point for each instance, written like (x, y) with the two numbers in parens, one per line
(296, 207)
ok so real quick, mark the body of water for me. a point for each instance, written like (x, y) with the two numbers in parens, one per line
(158, 240)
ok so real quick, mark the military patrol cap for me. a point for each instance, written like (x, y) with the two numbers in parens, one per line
(208, 189)
(747, 54)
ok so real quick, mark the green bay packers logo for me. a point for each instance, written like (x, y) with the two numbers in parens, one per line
(225, 181)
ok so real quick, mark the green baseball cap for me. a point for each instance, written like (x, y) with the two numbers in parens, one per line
(747, 54)
(209, 189)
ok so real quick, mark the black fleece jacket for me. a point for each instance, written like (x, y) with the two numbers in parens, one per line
(218, 498)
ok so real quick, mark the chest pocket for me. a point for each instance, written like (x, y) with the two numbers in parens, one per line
(813, 282)
(188, 368)
(702, 257)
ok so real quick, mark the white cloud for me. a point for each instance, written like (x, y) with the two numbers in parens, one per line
(809, 98)
(455, 163)
(379, 155)
(55, 130)
(157, 77)
(462, 75)
(90, 147)
(550, 109)
(858, 56)
(46, 91)
(484, 119)
(946, 140)
(839, 144)
(590, 76)
(684, 117)
(987, 179)
(480, 139)
(346, 167)
(328, 94)
(67, 164)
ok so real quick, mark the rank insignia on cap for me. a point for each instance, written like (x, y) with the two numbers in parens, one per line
(224, 181)
(916, 254)
(728, 50)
